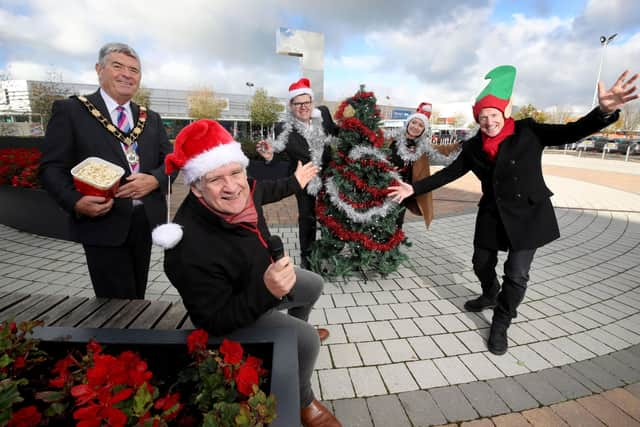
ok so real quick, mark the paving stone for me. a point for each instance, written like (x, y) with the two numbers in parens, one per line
(427, 374)
(454, 370)
(367, 381)
(510, 420)
(581, 378)
(575, 414)
(382, 312)
(449, 344)
(453, 404)
(421, 409)
(598, 375)
(387, 411)
(406, 328)
(475, 341)
(399, 350)
(484, 399)
(634, 389)
(360, 314)
(539, 388)
(543, 417)
(551, 353)
(429, 326)
(382, 330)
(624, 372)
(529, 358)
(345, 355)
(357, 332)
(624, 400)
(352, 412)
(397, 378)
(485, 422)
(508, 364)
(513, 394)
(572, 348)
(481, 366)
(337, 315)
(566, 385)
(335, 384)
(425, 347)
(606, 411)
(373, 353)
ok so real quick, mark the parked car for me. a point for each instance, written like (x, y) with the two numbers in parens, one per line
(618, 145)
(586, 144)
(634, 145)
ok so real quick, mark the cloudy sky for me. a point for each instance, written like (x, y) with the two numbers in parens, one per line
(409, 51)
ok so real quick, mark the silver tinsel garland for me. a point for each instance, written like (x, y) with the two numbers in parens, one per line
(423, 146)
(316, 138)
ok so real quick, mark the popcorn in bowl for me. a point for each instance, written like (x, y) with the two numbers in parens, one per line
(97, 177)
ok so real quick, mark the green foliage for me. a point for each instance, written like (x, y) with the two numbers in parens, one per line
(264, 109)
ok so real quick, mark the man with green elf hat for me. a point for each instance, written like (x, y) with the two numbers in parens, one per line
(515, 212)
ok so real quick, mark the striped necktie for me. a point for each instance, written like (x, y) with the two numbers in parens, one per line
(123, 122)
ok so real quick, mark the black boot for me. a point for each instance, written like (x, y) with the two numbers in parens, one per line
(498, 343)
(488, 299)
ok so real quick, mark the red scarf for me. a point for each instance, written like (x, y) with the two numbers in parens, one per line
(248, 215)
(491, 144)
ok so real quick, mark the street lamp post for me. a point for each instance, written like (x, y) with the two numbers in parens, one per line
(604, 41)
(250, 86)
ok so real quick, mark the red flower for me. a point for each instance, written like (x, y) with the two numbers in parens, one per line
(25, 417)
(94, 347)
(246, 378)
(197, 340)
(62, 369)
(170, 404)
(19, 363)
(232, 351)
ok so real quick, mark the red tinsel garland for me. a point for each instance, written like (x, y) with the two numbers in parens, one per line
(359, 183)
(361, 205)
(376, 138)
(378, 164)
(356, 236)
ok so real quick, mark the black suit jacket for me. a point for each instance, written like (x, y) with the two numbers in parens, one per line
(73, 134)
(297, 148)
(515, 210)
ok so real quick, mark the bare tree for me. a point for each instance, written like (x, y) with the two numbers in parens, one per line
(42, 95)
(264, 109)
(561, 115)
(142, 97)
(203, 104)
(530, 111)
(630, 117)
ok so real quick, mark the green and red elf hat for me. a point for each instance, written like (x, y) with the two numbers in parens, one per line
(497, 94)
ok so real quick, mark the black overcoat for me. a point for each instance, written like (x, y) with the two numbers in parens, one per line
(515, 210)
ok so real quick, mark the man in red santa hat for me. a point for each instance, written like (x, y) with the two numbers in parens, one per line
(305, 136)
(218, 258)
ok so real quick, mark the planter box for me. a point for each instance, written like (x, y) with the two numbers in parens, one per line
(166, 351)
(33, 211)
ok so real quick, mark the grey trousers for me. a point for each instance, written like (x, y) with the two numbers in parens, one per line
(307, 290)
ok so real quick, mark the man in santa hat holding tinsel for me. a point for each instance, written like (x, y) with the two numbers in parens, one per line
(515, 212)
(218, 256)
(305, 136)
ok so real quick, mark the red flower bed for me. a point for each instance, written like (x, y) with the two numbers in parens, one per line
(93, 388)
(19, 167)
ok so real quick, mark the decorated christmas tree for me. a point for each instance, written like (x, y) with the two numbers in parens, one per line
(357, 221)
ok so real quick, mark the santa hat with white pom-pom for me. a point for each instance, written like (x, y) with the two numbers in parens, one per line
(200, 147)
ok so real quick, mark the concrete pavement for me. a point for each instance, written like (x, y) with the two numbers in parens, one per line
(404, 353)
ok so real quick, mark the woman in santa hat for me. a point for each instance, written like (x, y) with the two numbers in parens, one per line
(411, 152)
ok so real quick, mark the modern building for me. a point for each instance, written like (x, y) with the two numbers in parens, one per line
(16, 106)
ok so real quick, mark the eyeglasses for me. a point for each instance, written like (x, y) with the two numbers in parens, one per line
(301, 104)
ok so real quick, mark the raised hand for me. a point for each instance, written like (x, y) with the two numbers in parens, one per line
(305, 173)
(400, 192)
(620, 93)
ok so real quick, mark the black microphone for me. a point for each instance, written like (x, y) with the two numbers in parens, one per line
(276, 249)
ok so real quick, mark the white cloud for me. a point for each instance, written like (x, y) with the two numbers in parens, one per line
(410, 51)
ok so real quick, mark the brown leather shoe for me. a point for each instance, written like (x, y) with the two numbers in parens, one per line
(323, 334)
(317, 415)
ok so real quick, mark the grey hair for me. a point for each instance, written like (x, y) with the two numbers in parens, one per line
(115, 48)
